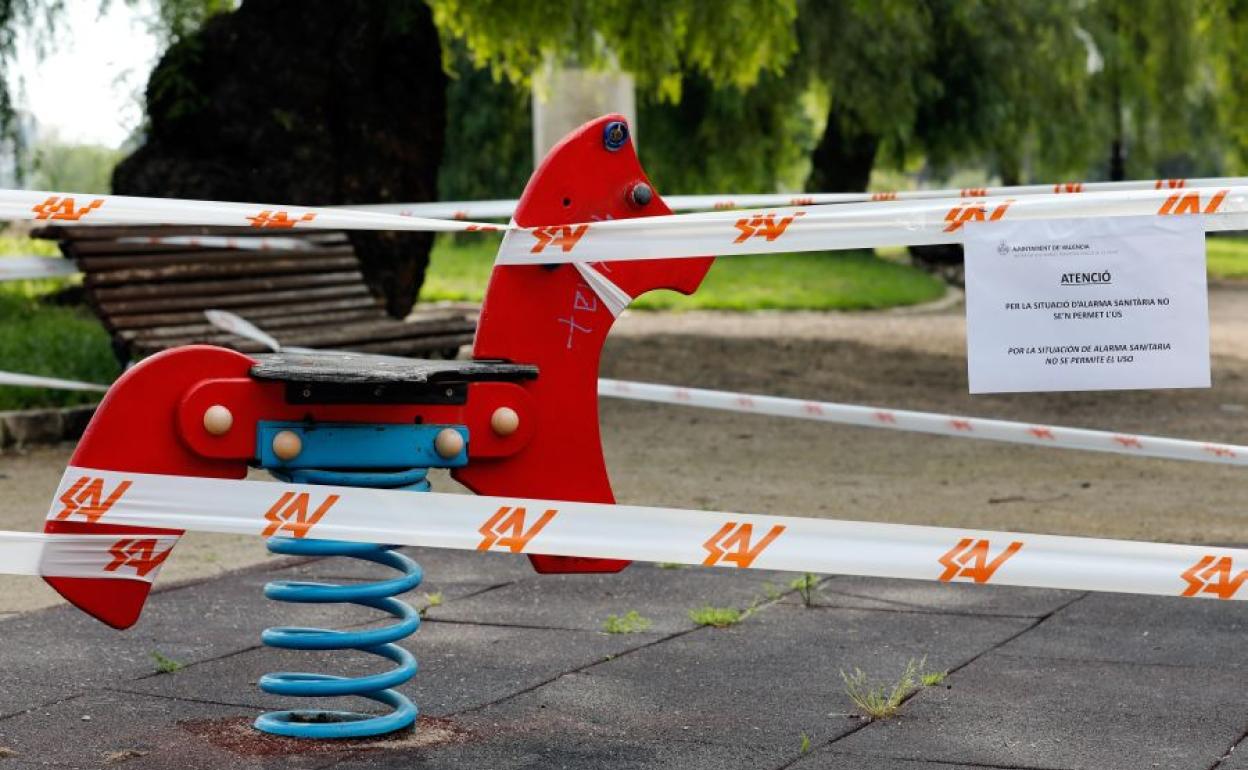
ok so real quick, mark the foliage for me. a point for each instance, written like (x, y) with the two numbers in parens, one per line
(40, 339)
(86, 168)
(173, 20)
(966, 79)
(718, 617)
(843, 280)
(629, 623)
(1150, 81)
(805, 587)
(38, 17)
(732, 42)
(166, 665)
(718, 139)
(881, 701)
(489, 144)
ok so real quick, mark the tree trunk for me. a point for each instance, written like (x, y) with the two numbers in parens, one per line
(843, 159)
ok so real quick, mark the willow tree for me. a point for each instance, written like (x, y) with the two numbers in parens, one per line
(715, 103)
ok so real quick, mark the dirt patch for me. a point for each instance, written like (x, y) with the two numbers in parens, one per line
(680, 456)
(238, 736)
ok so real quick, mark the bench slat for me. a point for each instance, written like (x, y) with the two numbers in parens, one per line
(255, 312)
(291, 296)
(191, 270)
(211, 289)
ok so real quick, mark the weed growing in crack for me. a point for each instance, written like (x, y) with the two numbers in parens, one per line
(166, 665)
(719, 617)
(882, 701)
(805, 587)
(630, 622)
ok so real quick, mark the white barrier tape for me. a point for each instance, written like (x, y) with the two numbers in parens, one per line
(80, 208)
(931, 422)
(850, 226)
(634, 532)
(957, 426)
(503, 209)
(222, 242)
(53, 383)
(87, 556)
(27, 268)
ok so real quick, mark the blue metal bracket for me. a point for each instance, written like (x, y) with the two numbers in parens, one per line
(355, 445)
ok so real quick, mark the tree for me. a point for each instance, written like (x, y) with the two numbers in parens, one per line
(946, 79)
(84, 168)
(489, 141)
(307, 103)
(731, 42)
(716, 108)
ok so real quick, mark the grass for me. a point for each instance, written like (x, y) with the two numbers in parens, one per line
(166, 665)
(845, 280)
(630, 622)
(1227, 257)
(43, 339)
(718, 617)
(883, 700)
(805, 587)
(37, 338)
(431, 600)
(12, 245)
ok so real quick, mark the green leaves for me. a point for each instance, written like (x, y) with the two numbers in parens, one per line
(731, 42)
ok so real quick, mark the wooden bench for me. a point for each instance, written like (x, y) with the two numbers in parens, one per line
(152, 295)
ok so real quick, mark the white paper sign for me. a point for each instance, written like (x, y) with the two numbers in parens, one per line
(1118, 303)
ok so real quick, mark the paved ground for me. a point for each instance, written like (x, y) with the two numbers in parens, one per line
(516, 673)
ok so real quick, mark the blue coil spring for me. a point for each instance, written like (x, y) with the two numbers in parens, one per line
(379, 595)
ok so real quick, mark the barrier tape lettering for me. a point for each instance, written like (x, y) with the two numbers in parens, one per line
(90, 556)
(811, 228)
(707, 538)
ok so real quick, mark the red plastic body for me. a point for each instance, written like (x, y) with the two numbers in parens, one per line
(151, 419)
(549, 316)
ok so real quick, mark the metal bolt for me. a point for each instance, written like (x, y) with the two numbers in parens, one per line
(504, 421)
(641, 194)
(287, 445)
(448, 443)
(614, 135)
(218, 420)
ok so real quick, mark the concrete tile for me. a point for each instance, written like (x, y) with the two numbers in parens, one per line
(461, 666)
(57, 652)
(1143, 629)
(152, 731)
(664, 596)
(1237, 757)
(831, 760)
(714, 698)
(927, 596)
(1020, 712)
